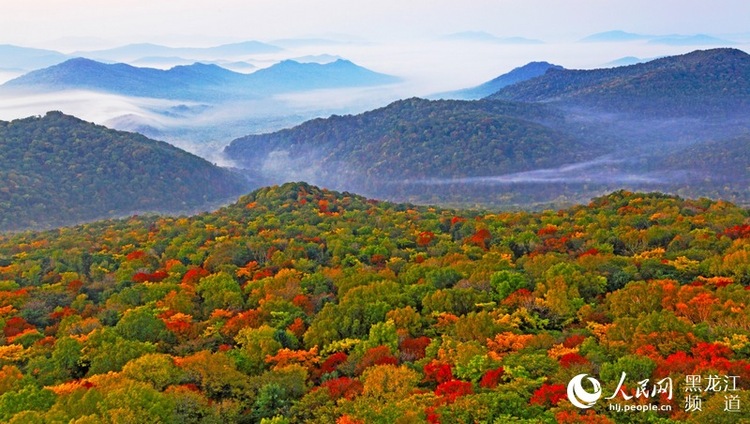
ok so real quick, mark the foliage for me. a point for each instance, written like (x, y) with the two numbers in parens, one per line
(294, 321)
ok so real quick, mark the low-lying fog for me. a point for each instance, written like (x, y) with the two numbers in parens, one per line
(605, 170)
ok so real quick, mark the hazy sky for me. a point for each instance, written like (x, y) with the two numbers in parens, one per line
(34, 22)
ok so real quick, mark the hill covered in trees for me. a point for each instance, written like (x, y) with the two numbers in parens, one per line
(394, 150)
(297, 304)
(57, 170)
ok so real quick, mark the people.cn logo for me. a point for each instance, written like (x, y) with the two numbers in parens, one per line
(579, 396)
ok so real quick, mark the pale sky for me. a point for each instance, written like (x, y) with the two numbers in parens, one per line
(36, 22)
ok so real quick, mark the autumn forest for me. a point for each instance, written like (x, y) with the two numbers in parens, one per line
(301, 305)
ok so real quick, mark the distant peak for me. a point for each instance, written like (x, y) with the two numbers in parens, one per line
(340, 62)
(197, 65)
(80, 60)
(541, 64)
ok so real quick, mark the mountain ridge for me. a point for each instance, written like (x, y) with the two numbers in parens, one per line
(14, 57)
(619, 36)
(136, 51)
(692, 83)
(516, 75)
(197, 81)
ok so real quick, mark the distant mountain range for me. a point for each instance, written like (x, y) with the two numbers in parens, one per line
(615, 37)
(563, 136)
(197, 81)
(485, 37)
(522, 73)
(679, 124)
(164, 62)
(671, 39)
(58, 170)
(23, 58)
(28, 59)
(136, 51)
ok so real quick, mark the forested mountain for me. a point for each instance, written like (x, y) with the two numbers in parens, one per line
(412, 141)
(702, 83)
(57, 170)
(303, 305)
(197, 81)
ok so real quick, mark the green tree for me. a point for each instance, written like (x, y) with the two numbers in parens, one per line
(257, 343)
(506, 282)
(28, 398)
(158, 369)
(142, 325)
(220, 291)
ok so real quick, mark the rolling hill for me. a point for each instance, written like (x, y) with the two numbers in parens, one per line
(57, 170)
(412, 140)
(197, 81)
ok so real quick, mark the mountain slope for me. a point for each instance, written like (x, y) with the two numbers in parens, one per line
(705, 82)
(522, 73)
(412, 140)
(57, 170)
(197, 81)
